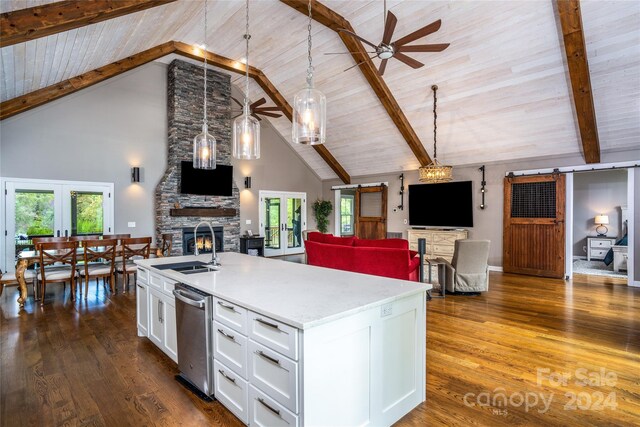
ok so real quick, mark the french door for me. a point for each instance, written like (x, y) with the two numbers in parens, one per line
(283, 218)
(41, 208)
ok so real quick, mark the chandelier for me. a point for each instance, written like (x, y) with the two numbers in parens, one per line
(435, 172)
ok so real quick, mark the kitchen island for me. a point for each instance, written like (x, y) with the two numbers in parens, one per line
(299, 345)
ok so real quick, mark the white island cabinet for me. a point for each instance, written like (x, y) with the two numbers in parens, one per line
(296, 345)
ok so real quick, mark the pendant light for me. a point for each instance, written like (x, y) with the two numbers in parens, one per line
(246, 129)
(204, 144)
(435, 172)
(309, 107)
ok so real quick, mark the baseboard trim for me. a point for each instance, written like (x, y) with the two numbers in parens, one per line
(636, 283)
(495, 268)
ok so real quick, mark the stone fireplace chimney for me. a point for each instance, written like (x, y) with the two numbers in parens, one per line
(184, 111)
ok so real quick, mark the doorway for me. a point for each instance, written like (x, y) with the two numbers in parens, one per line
(44, 208)
(283, 218)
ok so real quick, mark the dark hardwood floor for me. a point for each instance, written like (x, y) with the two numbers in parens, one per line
(82, 364)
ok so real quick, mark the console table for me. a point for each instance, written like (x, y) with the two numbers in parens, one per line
(597, 247)
(253, 242)
(440, 243)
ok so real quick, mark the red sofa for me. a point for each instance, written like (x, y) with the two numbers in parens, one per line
(386, 257)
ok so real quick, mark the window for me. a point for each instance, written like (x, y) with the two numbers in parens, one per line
(347, 208)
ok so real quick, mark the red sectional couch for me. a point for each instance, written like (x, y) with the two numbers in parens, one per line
(386, 257)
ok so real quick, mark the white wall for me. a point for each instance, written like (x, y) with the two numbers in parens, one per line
(594, 193)
(99, 133)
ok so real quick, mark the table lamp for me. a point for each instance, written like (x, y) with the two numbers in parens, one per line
(601, 220)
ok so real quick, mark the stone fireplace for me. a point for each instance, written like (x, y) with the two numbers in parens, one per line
(184, 120)
(203, 240)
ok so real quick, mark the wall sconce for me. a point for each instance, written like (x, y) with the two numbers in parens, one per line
(247, 182)
(135, 174)
(483, 190)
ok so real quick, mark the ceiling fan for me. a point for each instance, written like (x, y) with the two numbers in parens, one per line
(257, 111)
(387, 49)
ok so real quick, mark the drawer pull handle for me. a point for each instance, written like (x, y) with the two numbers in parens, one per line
(231, 337)
(269, 358)
(233, 380)
(275, 411)
(228, 307)
(264, 322)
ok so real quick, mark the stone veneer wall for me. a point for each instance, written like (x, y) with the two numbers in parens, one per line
(184, 110)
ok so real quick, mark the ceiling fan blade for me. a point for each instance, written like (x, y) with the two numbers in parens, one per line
(267, 109)
(383, 66)
(422, 32)
(237, 102)
(360, 63)
(342, 30)
(423, 48)
(389, 27)
(409, 61)
(254, 115)
(257, 103)
(262, 113)
(343, 53)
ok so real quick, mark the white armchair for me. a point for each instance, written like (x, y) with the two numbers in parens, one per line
(468, 271)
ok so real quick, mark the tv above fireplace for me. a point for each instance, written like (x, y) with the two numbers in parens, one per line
(214, 182)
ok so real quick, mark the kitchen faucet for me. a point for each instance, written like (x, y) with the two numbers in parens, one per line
(214, 258)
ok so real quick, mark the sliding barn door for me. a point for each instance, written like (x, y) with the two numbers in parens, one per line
(371, 212)
(534, 229)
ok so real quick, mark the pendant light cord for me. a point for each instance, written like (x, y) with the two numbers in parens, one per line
(435, 116)
(310, 69)
(247, 36)
(204, 120)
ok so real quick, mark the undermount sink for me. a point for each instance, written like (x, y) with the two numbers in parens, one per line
(190, 267)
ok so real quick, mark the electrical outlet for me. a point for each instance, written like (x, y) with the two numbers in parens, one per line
(131, 224)
(584, 249)
(248, 222)
(405, 221)
(386, 310)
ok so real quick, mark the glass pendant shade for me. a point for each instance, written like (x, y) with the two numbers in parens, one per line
(246, 137)
(204, 150)
(309, 117)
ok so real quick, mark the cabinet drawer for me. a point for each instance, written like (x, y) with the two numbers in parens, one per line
(443, 249)
(143, 276)
(266, 412)
(413, 238)
(230, 348)
(155, 281)
(599, 253)
(275, 374)
(596, 243)
(275, 335)
(168, 286)
(254, 244)
(230, 315)
(232, 391)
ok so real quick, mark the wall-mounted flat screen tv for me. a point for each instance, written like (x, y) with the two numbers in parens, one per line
(214, 182)
(441, 205)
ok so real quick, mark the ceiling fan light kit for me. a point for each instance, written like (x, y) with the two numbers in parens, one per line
(435, 172)
(246, 129)
(309, 106)
(204, 144)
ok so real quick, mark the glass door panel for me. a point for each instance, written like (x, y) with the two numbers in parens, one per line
(294, 223)
(87, 213)
(272, 240)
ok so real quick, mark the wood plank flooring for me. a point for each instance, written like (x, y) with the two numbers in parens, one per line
(82, 364)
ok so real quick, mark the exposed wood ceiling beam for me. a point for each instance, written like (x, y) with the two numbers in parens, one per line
(266, 85)
(333, 20)
(50, 93)
(40, 21)
(576, 52)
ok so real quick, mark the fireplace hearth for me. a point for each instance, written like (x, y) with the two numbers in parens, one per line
(203, 240)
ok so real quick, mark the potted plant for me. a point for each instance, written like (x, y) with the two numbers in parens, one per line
(322, 209)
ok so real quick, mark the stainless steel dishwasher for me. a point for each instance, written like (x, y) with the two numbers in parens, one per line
(195, 346)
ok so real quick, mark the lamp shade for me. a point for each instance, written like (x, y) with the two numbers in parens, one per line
(309, 117)
(204, 150)
(602, 219)
(246, 137)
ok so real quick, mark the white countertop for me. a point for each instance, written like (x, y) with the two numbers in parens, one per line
(299, 295)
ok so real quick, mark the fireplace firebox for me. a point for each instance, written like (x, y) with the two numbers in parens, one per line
(204, 240)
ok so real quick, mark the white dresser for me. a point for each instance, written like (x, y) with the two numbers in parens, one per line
(440, 243)
(597, 247)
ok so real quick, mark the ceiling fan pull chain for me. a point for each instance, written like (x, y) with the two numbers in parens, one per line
(310, 69)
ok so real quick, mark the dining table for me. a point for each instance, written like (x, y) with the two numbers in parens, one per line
(27, 258)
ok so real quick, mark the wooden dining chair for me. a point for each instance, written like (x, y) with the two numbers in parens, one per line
(164, 249)
(84, 237)
(9, 279)
(99, 258)
(57, 253)
(135, 247)
(118, 237)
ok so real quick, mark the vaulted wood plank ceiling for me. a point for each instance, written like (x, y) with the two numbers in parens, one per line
(504, 92)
